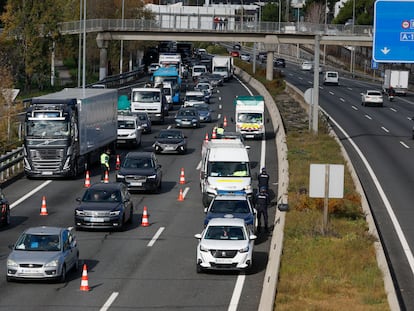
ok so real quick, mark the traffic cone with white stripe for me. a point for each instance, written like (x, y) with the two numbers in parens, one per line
(118, 162)
(145, 220)
(106, 179)
(206, 138)
(180, 195)
(84, 281)
(214, 134)
(182, 177)
(43, 209)
(87, 180)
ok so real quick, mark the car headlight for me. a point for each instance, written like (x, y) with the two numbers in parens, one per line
(152, 176)
(114, 213)
(194, 120)
(203, 249)
(12, 263)
(53, 263)
(177, 120)
(79, 212)
(244, 250)
(120, 176)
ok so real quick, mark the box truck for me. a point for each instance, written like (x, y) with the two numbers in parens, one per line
(150, 100)
(250, 116)
(223, 65)
(397, 79)
(66, 131)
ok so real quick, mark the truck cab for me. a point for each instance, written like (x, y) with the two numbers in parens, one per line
(150, 100)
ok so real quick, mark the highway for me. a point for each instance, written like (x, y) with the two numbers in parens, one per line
(379, 142)
(141, 268)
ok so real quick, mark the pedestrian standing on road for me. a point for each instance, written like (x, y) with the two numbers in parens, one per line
(105, 163)
(263, 179)
(261, 205)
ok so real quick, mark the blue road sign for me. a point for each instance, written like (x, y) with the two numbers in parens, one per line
(393, 40)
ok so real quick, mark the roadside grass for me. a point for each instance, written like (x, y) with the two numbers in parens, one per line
(331, 269)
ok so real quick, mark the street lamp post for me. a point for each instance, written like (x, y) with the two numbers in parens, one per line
(122, 41)
(84, 46)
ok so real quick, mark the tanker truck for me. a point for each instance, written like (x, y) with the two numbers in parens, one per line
(66, 131)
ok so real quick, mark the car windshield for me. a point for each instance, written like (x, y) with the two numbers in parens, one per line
(229, 207)
(138, 163)
(39, 242)
(146, 96)
(224, 233)
(249, 117)
(100, 195)
(126, 124)
(142, 117)
(228, 169)
(170, 134)
(193, 98)
(187, 113)
(202, 107)
(47, 128)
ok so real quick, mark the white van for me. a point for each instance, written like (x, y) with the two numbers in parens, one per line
(331, 77)
(198, 70)
(225, 169)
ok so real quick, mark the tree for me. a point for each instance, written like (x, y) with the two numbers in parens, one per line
(270, 12)
(364, 12)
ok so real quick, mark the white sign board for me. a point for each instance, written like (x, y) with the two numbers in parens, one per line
(335, 182)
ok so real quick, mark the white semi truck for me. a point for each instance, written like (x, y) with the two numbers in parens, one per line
(223, 65)
(66, 131)
(250, 116)
(397, 79)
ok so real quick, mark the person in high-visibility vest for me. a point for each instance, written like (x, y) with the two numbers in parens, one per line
(104, 163)
(220, 130)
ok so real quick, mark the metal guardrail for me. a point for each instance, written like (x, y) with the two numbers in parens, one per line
(123, 79)
(11, 164)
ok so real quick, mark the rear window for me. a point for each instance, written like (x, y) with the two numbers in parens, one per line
(332, 74)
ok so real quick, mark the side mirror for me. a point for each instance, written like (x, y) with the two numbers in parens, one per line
(283, 207)
(197, 236)
(205, 210)
(78, 200)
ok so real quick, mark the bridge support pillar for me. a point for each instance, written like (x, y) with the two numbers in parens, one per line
(269, 65)
(102, 40)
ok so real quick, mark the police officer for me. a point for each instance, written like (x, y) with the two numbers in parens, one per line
(263, 179)
(261, 204)
(105, 163)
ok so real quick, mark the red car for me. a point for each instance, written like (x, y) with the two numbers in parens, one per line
(235, 53)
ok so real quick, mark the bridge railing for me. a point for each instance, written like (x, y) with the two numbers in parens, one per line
(11, 164)
(198, 23)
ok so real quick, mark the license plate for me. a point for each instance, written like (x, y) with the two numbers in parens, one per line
(223, 261)
(186, 122)
(31, 270)
(169, 148)
(95, 219)
(249, 136)
(137, 184)
(121, 141)
(47, 173)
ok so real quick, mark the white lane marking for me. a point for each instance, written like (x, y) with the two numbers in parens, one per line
(220, 107)
(169, 127)
(234, 302)
(198, 166)
(332, 93)
(385, 129)
(109, 302)
(342, 99)
(219, 116)
(368, 117)
(393, 109)
(156, 236)
(219, 100)
(354, 107)
(30, 194)
(405, 145)
(387, 204)
(186, 189)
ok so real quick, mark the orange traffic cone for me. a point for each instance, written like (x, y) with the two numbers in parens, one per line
(118, 162)
(182, 177)
(180, 195)
(43, 210)
(106, 179)
(87, 180)
(225, 121)
(206, 138)
(145, 221)
(84, 281)
(214, 134)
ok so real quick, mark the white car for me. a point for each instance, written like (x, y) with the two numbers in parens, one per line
(129, 130)
(372, 97)
(245, 56)
(194, 97)
(206, 88)
(331, 77)
(225, 244)
(306, 66)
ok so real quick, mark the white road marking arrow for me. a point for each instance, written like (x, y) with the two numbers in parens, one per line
(385, 50)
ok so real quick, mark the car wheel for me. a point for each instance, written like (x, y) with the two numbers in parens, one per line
(62, 277)
(199, 269)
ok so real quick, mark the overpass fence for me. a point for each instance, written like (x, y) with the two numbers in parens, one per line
(205, 23)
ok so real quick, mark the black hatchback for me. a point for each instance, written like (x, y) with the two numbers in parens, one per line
(104, 205)
(140, 171)
(279, 62)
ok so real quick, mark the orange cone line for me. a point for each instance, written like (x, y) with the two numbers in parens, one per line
(87, 180)
(225, 122)
(145, 221)
(180, 195)
(106, 179)
(182, 177)
(43, 209)
(118, 162)
(84, 281)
